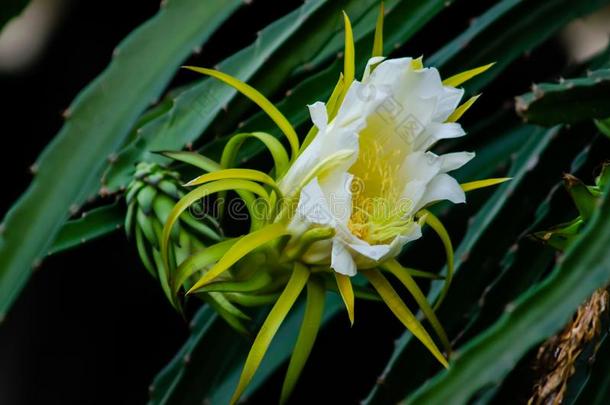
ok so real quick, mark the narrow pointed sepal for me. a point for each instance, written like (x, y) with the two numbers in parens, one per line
(438, 227)
(349, 61)
(267, 106)
(461, 110)
(346, 291)
(378, 40)
(460, 78)
(475, 185)
(402, 312)
(310, 326)
(402, 274)
(278, 313)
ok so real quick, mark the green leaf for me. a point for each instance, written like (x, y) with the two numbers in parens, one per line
(603, 126)
(583, 199)
(280, 48)
(536, 315)
(569, 101)
(260, 100)
(93, 224)
(504, 32)
(98, 121)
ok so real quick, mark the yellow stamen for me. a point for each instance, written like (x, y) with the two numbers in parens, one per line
(378, 212)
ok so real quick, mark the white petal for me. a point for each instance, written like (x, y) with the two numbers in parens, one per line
(447, 103)
(341, 259)
(359, 103)
(337, 187)
(453, 161)
(412, 194)
(435, 131)
(372, 252)
(373, 61)
(422, 166)
(328, 142)
(313, 206)
(319, 116)
(442, 187)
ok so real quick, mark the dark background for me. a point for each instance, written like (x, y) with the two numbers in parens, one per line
(92, 326)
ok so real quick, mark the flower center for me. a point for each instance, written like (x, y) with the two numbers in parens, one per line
(379, 214)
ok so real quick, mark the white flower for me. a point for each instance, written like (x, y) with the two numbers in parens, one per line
(368, 171)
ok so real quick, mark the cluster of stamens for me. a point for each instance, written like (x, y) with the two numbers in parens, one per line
(379, 214)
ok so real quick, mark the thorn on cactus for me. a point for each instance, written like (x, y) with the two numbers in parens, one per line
(34, 169)
(464, 258)
(37, 263)
(74, 208)
(66, 113)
